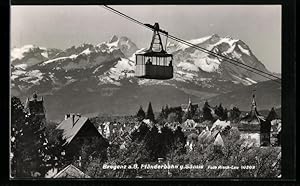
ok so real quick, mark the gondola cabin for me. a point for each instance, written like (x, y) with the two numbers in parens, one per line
(154, 63)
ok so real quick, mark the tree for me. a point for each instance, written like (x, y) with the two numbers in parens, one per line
(55, 147)
(265, 160)
(161, 119)
(272, 115)
(207, 112)
(135, 153)
(178, 111)
(197, 115)
(153, 143)
(39, 139)
(172, 117)
(141, 114)
(95, 150)
(139, 134)
(225, 116)
(166, 111)
(219, 111)
(28, 143)
(234, 113)
(162, 112)
(19, 167)
(150, 114)
(179, 140)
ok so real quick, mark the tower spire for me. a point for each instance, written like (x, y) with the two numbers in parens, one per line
(253, 105)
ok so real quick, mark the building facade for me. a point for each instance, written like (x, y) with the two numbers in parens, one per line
(35, 106)
(254, 124)
(79, 131)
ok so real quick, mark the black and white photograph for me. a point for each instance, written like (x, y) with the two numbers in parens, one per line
(145, 91)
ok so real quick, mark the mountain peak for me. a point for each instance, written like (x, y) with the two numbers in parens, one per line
(18, 53)
(215, 36)
(229, 37)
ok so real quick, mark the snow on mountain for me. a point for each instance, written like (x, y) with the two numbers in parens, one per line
(100, 78)
(21, 66)
(104, 62)
(195, 60)
(113, 63)
(188, 66)
(127, 47)
(188, 59)
(245, 81)
(33, 77)
(86, 51)
(208, 65)
(123, 69)
(17, 73)
(18, 53)
(59, 59)
(244, 50)
(172, 47)
(251, 80)
(228, 40)
(30, 55)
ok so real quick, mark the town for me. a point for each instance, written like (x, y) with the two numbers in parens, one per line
(79, 147)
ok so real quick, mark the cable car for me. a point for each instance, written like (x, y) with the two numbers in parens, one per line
(154, 63)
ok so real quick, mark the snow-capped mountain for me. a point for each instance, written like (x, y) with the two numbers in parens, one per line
(191, 61)
(29, 55)
(100, 78)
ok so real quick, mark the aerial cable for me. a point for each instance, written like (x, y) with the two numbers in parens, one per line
(190, 44)
(237, 64)
(222, 56)
(232, 61)
(166, 42)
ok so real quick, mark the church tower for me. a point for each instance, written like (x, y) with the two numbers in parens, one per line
(35, 106)
(253, 105)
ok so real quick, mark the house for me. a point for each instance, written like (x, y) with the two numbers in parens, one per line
(253, 117)
(220, 125)
(275, 127)
(77, 131)
(251, 138)
(35, 106)
(172, 125)
(188, 125)
(219, 140)
(207, 136)
(110, 130)
(254, 124)
(71, 171)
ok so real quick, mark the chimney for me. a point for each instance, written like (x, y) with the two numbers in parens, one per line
(67, 116)
(73, 119)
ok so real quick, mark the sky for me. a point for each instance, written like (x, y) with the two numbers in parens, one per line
(259, 26)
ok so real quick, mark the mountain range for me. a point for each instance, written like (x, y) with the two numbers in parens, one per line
(99, 79)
